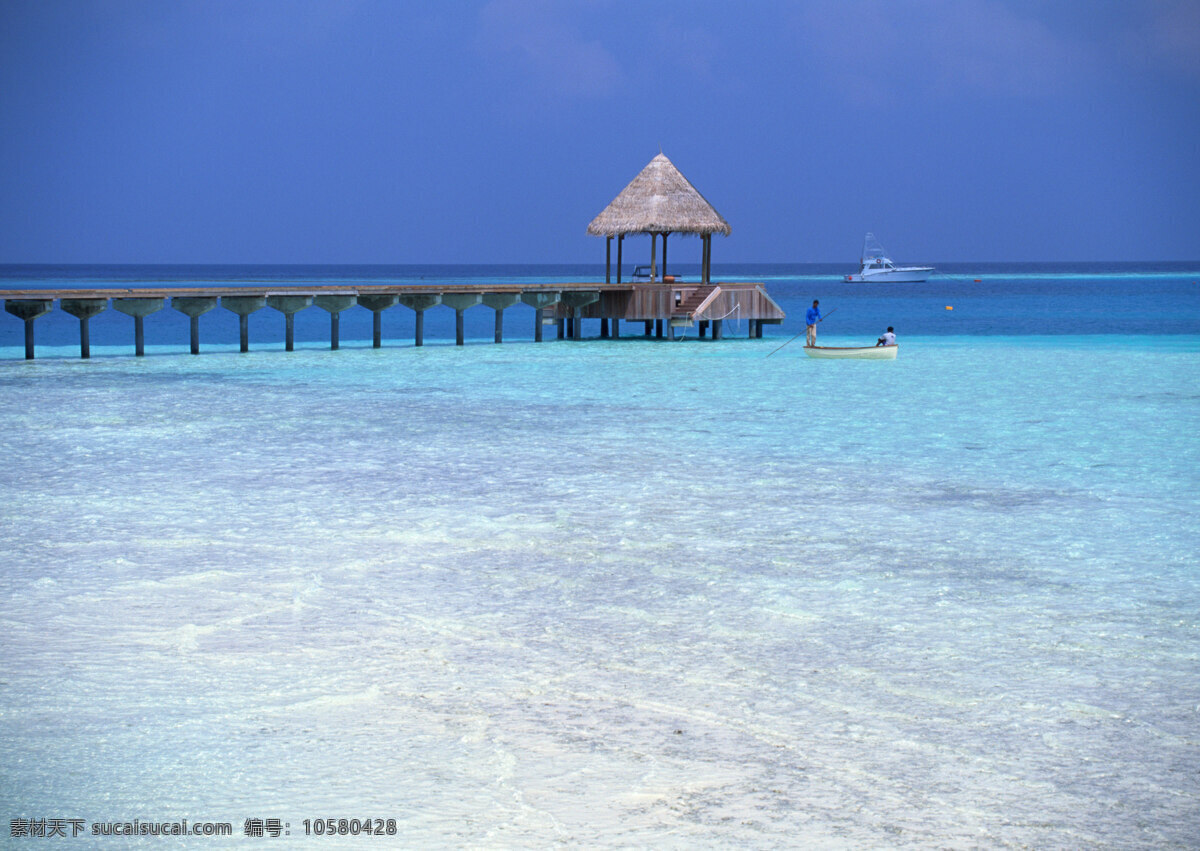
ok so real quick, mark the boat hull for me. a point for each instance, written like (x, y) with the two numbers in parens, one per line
(908, 275)
(855, 352)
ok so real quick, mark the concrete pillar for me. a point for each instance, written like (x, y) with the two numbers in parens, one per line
(658, 329)
(28, 309)
(604, 327)
(194, 307)
(84, 309)
(616, 327)
(562, 328)
(649, 327)
(575, 300)
(335, 304)
(499, 302)
(758, 324)
(419, 303)
(377, 304)
(459, 302)
(716, 329)
(539, 301)
(289, 306)
(139, 309)
(702, 328)
(670, 331)
(243, 306)
(750, 331)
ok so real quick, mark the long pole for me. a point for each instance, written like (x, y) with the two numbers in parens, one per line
(822, 319)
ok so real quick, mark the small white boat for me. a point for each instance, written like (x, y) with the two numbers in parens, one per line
(877, 267)
(860, 352)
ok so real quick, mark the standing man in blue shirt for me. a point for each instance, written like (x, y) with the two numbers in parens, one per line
(812, 318)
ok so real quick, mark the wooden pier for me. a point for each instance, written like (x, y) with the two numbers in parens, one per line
(657, 203)
(661, 306)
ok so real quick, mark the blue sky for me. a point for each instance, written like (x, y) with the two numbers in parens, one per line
(480, 132)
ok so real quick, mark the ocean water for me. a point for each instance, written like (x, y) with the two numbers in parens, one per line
(617, 592)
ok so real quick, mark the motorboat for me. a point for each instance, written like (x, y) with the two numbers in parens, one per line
(859, 352)
(877, 267)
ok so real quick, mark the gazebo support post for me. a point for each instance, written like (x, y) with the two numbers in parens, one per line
(608, 259)
(620, 242)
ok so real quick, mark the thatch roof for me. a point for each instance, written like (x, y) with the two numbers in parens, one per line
(658, 200)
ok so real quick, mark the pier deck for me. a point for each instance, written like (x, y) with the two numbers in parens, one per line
(658, 304)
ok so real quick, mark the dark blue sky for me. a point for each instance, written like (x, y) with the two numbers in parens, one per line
(477, 132)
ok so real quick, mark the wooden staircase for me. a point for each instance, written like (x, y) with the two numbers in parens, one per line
(696, 301)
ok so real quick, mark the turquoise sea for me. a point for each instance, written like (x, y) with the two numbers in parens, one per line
(614, 592)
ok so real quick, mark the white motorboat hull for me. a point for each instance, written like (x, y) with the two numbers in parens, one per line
(876, 267)
(893, 275)
(859, 352)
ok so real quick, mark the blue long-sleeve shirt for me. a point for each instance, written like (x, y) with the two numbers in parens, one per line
(813, 315)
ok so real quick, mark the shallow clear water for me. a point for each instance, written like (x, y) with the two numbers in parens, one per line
(611, 592)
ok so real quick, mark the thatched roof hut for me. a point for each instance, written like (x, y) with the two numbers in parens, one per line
(660, 200)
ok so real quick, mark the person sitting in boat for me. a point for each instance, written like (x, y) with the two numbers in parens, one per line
(888, 338)
(811, 318)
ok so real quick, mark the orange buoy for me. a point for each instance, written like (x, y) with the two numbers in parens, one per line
(979, 280)
(948, 307)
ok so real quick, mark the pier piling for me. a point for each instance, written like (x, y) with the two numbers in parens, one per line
(243, 306)
(84, 309)
(335, 304)
(139, 309)
(499, 302)
(194, 307)
(459, 302)
(539, 302)
(29, 310)
(377, 304)
(289, 306)
(420, 302)
(575, 301)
